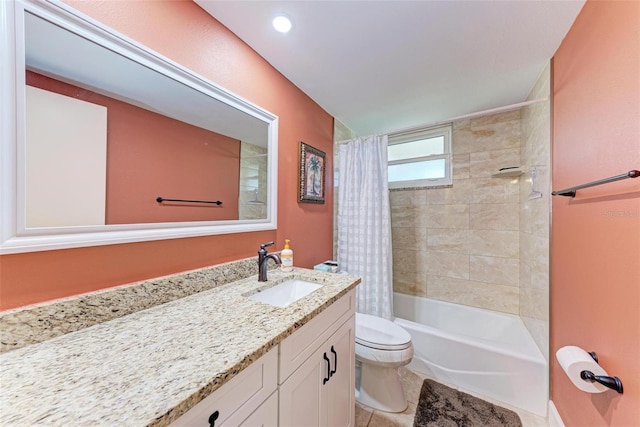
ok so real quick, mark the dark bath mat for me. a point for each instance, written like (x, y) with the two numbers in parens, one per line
(441, 406)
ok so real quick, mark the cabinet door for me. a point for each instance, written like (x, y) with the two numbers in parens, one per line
(340, 389)
(300, 395)
(321, 391)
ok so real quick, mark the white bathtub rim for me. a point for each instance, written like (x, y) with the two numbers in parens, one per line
(527, 350)
(405, 307)
(538, 358)
(454, 305)
(460, 371)
(533, 394)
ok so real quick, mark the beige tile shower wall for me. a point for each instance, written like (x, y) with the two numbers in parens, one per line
(534, 215)
(461, 244)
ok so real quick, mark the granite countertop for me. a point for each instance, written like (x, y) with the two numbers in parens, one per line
(149, 367)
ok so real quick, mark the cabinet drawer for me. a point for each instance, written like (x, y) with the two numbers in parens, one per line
(295, 349)
(239, 397)
(265, 416)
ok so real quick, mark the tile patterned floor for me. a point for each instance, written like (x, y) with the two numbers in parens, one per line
(412, 382)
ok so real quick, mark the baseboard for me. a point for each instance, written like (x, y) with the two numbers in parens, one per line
(554, 417)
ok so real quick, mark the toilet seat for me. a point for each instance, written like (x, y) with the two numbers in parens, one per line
(380, 334)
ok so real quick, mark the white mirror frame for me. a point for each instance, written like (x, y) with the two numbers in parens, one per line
(14, 236)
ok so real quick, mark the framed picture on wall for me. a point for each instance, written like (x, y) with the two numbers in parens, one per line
(311, 174)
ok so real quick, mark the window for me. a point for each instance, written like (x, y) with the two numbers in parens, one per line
(420, 158)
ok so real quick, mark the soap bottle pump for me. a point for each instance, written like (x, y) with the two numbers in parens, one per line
(287, 257)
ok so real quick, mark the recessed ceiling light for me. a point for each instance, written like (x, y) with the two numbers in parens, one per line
(282, 24)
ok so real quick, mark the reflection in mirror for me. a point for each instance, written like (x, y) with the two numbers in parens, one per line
(124, 135)
(109, 127)
(253, 181)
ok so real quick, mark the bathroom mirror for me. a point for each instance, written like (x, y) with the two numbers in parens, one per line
(105, 141)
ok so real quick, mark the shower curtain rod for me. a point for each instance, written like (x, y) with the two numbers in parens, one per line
(465, 116)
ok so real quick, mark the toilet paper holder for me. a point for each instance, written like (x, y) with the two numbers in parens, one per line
(613, 383)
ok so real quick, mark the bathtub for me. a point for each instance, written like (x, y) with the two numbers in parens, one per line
(481, 351)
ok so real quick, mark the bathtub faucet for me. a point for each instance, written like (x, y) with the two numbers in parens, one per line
(263, 259)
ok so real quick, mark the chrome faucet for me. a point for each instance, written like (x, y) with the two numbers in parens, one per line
(263, 259)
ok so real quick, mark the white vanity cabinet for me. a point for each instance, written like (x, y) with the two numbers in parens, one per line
(317, 370)
(309, 380)
(249, 396)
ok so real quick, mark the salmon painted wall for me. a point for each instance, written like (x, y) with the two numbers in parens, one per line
(595, 261)
(183, 32)
(151, 155)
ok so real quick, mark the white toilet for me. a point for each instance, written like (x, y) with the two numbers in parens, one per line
(381, 348)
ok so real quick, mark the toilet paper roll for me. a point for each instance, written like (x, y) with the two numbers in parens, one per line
(575, 360)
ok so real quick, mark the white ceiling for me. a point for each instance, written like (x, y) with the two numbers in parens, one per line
(379, 66)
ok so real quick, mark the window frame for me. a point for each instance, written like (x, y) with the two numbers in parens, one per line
(445, 131)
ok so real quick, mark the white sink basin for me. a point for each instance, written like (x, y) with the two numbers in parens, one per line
(283, 294)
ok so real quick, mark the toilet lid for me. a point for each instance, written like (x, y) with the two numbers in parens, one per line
(376, 332)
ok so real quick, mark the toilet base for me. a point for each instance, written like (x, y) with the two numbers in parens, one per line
(380, 388)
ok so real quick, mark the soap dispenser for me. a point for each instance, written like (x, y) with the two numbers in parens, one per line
(287, 257)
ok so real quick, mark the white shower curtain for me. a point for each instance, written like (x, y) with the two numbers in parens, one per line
(364, 223)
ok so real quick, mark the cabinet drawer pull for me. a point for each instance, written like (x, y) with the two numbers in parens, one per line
(212, 418)
(324, 381)
(335, 362)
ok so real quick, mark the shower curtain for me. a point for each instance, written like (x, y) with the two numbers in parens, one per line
(364, 223)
